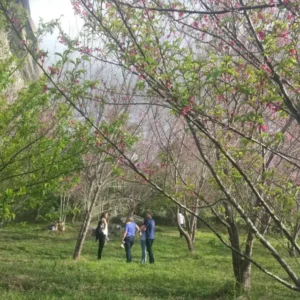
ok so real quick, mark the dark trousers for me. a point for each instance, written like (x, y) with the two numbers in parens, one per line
(129, 241)
(149, 250)
(102, 239)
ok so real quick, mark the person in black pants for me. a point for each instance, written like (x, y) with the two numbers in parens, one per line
(101, 232)
(128, 237)
(150, 235)
(102, 238)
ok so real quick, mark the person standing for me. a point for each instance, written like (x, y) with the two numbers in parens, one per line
(128, 237)
(181, 222)
(102, 232)
(143, 243)
(150, 235)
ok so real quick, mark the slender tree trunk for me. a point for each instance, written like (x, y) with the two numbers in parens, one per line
(82, 235)
(291, 248)
(186, 235)
(241, 266)
(188, 239)
(73, 218)
(266, 219)
(195, 221)
(245, 283)
(93, 194)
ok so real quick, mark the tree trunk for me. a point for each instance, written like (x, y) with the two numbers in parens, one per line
(291, 248)
(188, 239)
(195, 221)
(245, 274)
(244, 282)
(265, 223)
(93, 194)
(241, 266)
(82, 234)
(186, 235)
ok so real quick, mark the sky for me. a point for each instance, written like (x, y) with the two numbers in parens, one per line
(53, 9)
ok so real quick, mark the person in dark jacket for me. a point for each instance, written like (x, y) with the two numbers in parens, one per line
(150, 235)
(102, 232)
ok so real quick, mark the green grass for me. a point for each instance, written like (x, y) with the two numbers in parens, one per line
(37, 264)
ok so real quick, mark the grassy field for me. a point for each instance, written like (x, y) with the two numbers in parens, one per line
(37, 264)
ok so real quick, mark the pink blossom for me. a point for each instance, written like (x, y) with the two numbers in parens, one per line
(289, 137)
(293, 51)
(284, 33)
(185, 110)
(196, 24)
(260, 16)
(290, 16)
(273, 107)
(62, 40)
(77, 7)
(85, 50)
(264, 127)
(54, 70)
(169, 85)
(266, 68)
(261, 35)
(220, 98)
(192, 100)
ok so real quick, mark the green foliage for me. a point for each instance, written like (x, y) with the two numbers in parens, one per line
(37, 146)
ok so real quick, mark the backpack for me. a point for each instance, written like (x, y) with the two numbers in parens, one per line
(99, 229)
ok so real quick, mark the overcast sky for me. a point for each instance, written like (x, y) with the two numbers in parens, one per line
(53, 9)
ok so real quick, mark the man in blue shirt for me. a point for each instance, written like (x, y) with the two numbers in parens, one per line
(150, 234)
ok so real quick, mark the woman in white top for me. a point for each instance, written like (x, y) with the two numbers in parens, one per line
(102, 232)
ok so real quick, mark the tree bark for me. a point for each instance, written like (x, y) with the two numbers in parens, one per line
(82, 234)
(245, 278)
(186, 235)
(241, 266)
(93, 194)
(188, 239)
(265, 223)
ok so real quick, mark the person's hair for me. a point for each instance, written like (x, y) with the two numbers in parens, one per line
(149, 213)
(103, 214)
(129, 219)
